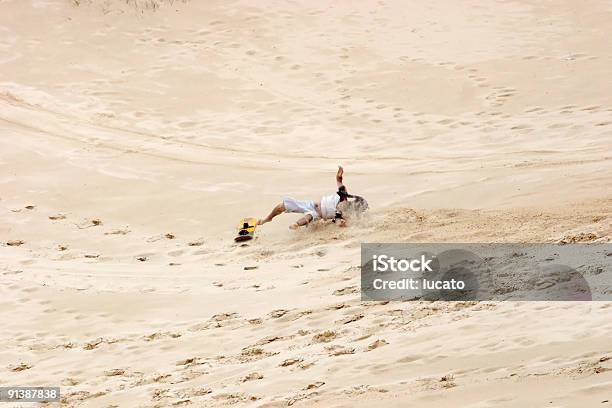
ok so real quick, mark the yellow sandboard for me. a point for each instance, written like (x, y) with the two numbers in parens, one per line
(246, 229)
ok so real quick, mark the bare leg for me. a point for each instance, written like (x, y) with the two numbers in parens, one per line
(279, 209)
(301, 222)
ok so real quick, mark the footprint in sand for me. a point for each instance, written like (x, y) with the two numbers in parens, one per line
(96, 222)
(312, 386)
(252, 377)
(124, 231)
(19, 367)
(346, 291)
(325, 337)
(337, 350)
(500, 95)
(350, 319)
(378, 343)
(114, 372)
(290, 361)
(520, 126)
(69, 381)
(275, 314)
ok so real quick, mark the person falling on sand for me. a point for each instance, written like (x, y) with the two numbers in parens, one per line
(328, 208)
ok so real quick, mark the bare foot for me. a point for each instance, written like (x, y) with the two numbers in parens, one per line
(294, 226)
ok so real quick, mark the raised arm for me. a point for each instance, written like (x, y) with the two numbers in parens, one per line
(339, 175)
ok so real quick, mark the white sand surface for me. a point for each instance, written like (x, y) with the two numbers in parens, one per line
(138, 132)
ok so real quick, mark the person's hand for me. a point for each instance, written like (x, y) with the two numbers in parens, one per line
(342, 223)
(339, 176)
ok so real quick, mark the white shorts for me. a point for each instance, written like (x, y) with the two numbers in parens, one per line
(304, 207)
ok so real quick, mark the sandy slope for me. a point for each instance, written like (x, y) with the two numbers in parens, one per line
(139, 134)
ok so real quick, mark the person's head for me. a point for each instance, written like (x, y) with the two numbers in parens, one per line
(344, 195)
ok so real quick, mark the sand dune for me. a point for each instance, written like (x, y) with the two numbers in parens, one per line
(134, 135)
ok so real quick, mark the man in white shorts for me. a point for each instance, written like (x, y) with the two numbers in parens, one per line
(326, 208)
